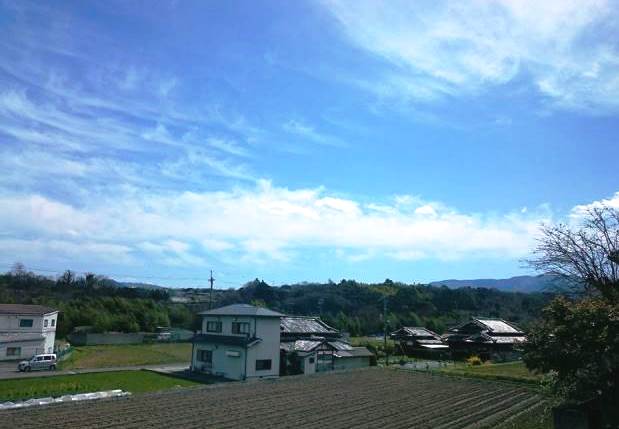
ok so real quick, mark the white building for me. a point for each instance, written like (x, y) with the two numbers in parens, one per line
(238, 341)
(26, 330)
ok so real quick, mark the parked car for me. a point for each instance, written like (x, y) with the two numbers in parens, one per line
(38, 362)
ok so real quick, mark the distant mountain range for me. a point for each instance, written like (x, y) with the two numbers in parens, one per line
(540, 283)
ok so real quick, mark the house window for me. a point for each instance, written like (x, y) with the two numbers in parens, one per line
(45, 323)
(263, 364)
(205, 356)
(25, 323)
(53, 322)
(213, 326)
(312, 360)
(13, 351)
(240, 327)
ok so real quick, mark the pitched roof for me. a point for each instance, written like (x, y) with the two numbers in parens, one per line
(499, 326)
(414, 331)
(241, 310)
(340, 345)
(300, 345)
(491, 326)
(305, 325)
(31, 310)
(353, 352)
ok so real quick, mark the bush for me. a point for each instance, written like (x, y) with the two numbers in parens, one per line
(474, 360)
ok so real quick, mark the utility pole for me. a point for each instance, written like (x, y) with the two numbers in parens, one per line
(211, 280)
(385, 330)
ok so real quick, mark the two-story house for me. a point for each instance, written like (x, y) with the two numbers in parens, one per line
(238, 341)
(26, 330)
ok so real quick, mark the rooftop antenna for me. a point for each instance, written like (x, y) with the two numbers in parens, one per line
(211, 280)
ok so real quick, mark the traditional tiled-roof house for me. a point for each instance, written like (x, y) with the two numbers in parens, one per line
(488, 338)
(309, 345)
(414, 340)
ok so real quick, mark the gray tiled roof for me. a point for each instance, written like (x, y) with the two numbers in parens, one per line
(300, 345)
(305, 325)
(340, 345)
(241, 310)
(353, 352)
(26, 309)
(499, 326)
(414, 331)
(491, 326)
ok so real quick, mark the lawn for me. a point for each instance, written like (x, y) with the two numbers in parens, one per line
(127, 355)
(131, 381)
(510, 371)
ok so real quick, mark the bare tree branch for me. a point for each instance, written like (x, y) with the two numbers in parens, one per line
(586, 257)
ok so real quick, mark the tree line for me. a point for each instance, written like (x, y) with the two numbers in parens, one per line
(351, 306)
(94, 301)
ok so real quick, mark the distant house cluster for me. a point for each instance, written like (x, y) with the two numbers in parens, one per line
(241, 341)
(487, 338)
(26, 330)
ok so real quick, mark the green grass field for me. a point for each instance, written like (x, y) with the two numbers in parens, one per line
(511, 371)
(127, 355)
(131, 381)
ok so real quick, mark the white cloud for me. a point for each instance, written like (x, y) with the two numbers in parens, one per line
(269, 223)
(567, 47)
(581, 210)
(227, 146)
(308, 132)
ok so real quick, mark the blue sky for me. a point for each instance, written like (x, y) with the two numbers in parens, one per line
(298, 141)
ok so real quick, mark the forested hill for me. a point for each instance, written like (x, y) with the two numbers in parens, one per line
(357, 307)
(348, 305)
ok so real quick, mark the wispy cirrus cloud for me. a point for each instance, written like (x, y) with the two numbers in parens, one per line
(563, 48)
(309, 133)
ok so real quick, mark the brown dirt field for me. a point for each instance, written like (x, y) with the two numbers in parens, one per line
(364, 398)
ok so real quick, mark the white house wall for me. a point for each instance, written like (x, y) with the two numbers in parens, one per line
(268, 348)
(28, 349)
(223, 365)
(267, 329)
(309, 367)
(9, 324)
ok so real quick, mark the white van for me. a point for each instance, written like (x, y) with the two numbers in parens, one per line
(38, 362)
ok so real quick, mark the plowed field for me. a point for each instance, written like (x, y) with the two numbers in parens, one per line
(372, 398)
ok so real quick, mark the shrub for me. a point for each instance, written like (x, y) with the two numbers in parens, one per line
(474, 360)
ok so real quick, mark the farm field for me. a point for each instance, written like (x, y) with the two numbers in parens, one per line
(86, 357)
(384, 398)
(132, 381)
(511, 371)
